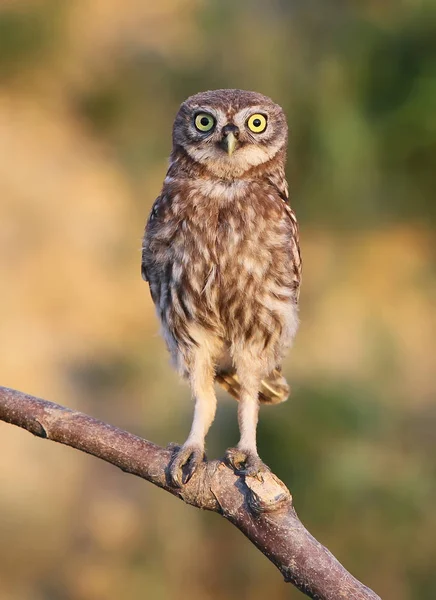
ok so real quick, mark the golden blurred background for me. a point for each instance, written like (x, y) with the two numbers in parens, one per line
(88, 92)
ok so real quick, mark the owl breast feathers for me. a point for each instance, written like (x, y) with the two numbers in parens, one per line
(221, 250)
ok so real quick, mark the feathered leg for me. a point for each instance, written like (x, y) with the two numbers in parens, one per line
(244, 458)
(202, 375)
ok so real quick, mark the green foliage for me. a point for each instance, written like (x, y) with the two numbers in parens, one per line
(26, 37)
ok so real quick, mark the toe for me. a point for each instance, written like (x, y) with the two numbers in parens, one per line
(184, 464)
(254, 466)
(235, 458)
(245, 462)
(196, 457)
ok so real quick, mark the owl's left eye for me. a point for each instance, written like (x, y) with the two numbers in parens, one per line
(204, 122)
(257, 123)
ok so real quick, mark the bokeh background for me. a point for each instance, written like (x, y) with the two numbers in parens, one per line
(88, 92)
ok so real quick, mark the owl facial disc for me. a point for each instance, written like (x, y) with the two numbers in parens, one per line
(230, 132)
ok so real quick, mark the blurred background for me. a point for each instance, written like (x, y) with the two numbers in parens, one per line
(88, 93)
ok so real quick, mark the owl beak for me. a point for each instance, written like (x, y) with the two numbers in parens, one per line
(230, 138)
(230, 143)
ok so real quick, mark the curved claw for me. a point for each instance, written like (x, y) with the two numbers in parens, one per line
(245, 462)
(184, 463)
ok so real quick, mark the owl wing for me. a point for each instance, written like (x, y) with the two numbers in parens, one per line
(143, 267)
(295, 249)
(145, 240)
(280, 185)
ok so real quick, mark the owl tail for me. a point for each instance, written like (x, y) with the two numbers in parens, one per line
(274, 389)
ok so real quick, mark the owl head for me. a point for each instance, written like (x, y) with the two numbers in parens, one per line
(230, 132)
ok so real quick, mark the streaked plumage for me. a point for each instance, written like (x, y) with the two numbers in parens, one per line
(221, 255)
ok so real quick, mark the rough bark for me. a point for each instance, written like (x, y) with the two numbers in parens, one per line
(261, 509)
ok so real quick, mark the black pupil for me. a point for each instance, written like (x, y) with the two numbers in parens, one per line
(257, 122)
(204, 121)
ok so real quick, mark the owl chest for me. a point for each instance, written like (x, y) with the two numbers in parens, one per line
(231, 253)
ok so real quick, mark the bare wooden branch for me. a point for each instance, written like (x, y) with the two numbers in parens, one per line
(262, 510)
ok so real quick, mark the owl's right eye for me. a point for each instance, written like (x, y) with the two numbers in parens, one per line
(204, 122)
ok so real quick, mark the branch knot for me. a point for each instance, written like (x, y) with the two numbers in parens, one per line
(266, 493)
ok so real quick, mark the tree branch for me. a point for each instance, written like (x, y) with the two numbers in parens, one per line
(262, 510)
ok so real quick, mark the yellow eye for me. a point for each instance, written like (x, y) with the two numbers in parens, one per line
(204, 122)
(257, 123)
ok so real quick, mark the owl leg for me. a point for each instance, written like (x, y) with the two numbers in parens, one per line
(244, 458)
(191, 454)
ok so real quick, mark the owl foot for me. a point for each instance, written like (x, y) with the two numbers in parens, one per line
(184, 463)
(245, 462)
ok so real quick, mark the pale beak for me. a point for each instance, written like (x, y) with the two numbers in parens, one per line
(230, 143)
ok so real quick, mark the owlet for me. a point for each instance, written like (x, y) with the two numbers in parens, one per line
(221, 255)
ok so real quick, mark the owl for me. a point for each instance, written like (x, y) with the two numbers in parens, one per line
(222, 259)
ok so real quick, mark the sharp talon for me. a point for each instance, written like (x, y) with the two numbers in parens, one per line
(244, 462)
(184, 463)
